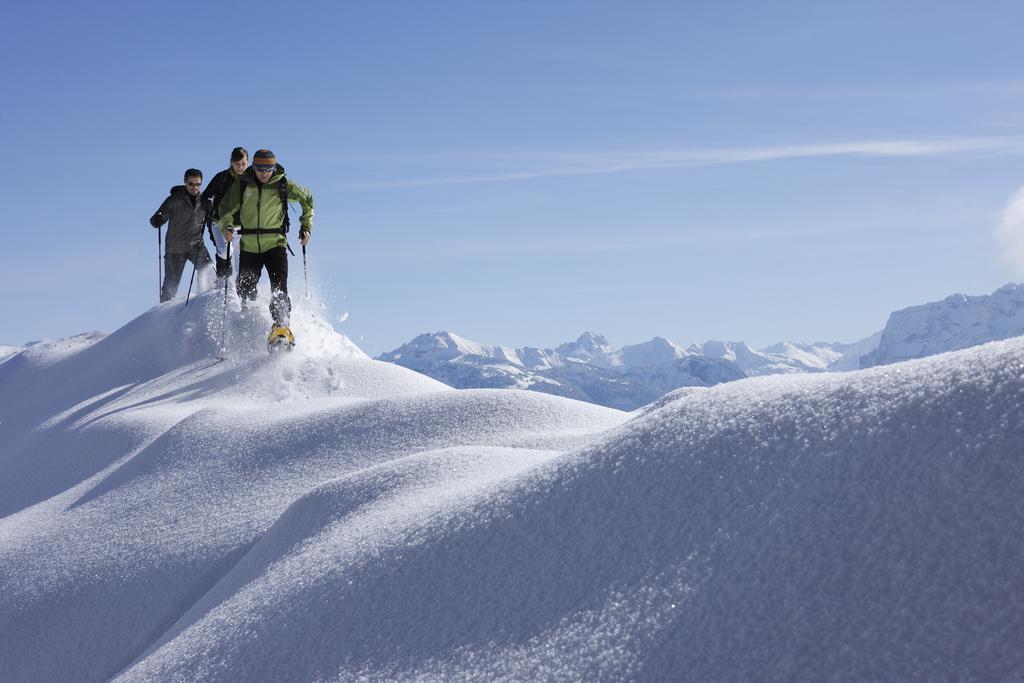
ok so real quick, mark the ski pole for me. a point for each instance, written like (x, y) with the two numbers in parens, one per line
(195, 257)
(159, 264)
(224, 315)
(305, 270)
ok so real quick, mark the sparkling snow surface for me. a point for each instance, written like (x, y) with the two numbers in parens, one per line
(320, 515)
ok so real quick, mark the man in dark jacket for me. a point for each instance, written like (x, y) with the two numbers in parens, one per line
(213, 194)
(185, 214)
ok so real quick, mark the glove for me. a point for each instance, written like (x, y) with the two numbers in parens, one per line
(157, 220)
(223, 267)
(303, 236)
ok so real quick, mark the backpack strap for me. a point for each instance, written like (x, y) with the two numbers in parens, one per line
(242, 182)
(282, 192)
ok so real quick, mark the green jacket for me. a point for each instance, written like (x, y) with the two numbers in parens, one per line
(261, 207)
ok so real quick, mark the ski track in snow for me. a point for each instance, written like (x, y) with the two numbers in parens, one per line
(320, 515)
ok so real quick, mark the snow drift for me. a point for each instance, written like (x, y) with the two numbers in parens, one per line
(332, 517)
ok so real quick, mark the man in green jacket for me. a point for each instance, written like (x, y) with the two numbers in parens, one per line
(257, 203)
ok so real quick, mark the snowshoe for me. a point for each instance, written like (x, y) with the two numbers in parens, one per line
(280, 339)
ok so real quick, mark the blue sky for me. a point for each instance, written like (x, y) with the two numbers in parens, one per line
(519, 171)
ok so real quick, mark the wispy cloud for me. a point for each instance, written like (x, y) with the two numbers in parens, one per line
(545, 165)
(1009, 232)
(951, 89)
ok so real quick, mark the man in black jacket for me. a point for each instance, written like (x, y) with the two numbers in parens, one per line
(185, 214)
(213, 193)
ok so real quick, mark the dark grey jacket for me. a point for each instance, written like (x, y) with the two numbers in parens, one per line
(185, 220)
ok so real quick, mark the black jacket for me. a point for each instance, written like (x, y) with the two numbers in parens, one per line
(185, 217)
(218, 186)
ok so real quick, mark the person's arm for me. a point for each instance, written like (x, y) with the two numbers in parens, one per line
(162, 215)
(208, 193)
(229, 204)
(207, 205)
(304, 197)
(214, 188)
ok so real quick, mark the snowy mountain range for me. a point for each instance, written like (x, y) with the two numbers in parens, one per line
(588, 369)
(318, 515)
(591, 369)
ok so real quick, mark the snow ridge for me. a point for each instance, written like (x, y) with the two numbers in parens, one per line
(328, 516)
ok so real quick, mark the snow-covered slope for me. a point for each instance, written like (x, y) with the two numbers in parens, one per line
(159, 369)
(331, 517)
(589, 369)
(956, 322)
(136, 468)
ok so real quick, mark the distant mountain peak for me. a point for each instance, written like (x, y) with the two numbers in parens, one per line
(657, 351)
(730, 350)
(590, 340)
(441, 339)
(589, 348)
(954, 323)
(445, 346)
(662, 342)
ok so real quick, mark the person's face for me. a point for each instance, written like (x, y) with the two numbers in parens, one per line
(240, 165)
(264, 176)
(192, 184)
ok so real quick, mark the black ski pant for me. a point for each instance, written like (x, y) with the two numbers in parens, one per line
(251, 265)
(174, 264)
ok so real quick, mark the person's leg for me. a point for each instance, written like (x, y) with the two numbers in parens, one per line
(173, 265)
(249, 266)
(276, 261)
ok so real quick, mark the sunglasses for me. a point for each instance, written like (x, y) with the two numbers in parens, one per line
(264, 169)
(195, 184)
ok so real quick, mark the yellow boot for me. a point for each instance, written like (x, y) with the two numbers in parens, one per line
(280, 339)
